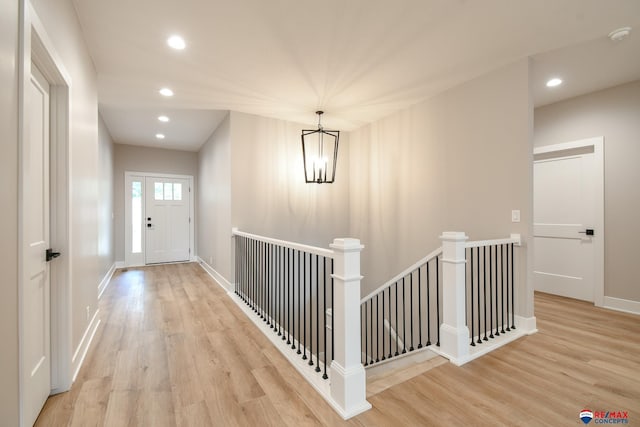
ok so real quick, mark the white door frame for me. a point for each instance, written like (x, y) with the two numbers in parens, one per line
(36, 46)
(598, 151)
(136, 260)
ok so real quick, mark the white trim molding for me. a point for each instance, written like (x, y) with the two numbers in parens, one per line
(35, 46)
(106, 280)
(624, 305)
(217, 277)
(85, 343)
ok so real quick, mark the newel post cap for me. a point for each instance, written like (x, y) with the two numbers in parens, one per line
(346, 244)
(454, 236)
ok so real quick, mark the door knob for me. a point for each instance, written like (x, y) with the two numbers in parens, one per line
(51, 255)
(588, 232)
(149, 225)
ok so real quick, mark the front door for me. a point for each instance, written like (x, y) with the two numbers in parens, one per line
(565, 233)
(167, 220)
(36, 368)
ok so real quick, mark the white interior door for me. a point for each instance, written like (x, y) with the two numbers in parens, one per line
(36, 368)
(167, 220)
(566, 189)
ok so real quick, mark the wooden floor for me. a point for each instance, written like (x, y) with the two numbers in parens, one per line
(172, 349)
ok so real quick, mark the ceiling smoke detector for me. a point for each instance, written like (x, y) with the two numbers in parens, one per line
(619, 34)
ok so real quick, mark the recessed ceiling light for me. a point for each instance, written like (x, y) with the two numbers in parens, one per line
(163, 118)
(159, 136)
(165, 91)
(619, 34)
(176, 42)
(554, 82)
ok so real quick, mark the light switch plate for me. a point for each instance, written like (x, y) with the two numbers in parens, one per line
(515, 215)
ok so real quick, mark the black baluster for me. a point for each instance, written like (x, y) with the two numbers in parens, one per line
(396, 318)
(484, 293)
(390, 337)
(293, 300)
(404, 320)
(513, 307)
(490, 296)
(317, 313)
(292, 272)
(371, 329)
(252, 280)
(507, 274)
(419, 311)
(310, 309)
(438, 299)
(383, 350)
(497, 280)
(267, 260)
(304, 307)
(248, 290)
(332, 315)
(377, 332)
(502, 287)
(478, 293)
(411, 307)
(283, 277)
(259, 277)
(280, 291)
(473, 342)
(253, 275)
(324, 314)
(285, 282)
(299, 305)
(428, 308)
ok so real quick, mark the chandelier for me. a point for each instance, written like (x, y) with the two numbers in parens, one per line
(320, 153)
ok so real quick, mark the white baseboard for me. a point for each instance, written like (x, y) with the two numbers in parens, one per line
(120, 264)
(526, 324)
(624, 305)
(83, 347)
(106, 280)
(217, 277)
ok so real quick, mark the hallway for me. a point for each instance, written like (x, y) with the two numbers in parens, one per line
(172, 349)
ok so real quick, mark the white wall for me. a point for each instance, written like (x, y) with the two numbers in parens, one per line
(106, 233)
(9, 212)
(615, 114)
(263, 189)
(460, 161)
(269, 195)
(214, 200)
(145, 159)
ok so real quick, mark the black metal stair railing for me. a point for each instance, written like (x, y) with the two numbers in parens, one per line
(404, 314)
(490, 288)
(290, 289)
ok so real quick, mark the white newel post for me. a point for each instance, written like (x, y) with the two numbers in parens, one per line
(348, 377)
(454, 334)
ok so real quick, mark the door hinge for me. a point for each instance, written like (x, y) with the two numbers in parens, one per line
(189, 220)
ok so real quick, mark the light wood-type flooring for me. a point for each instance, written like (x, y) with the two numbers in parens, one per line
(173, 349)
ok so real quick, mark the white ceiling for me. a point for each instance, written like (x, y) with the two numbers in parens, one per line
(358, 60)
